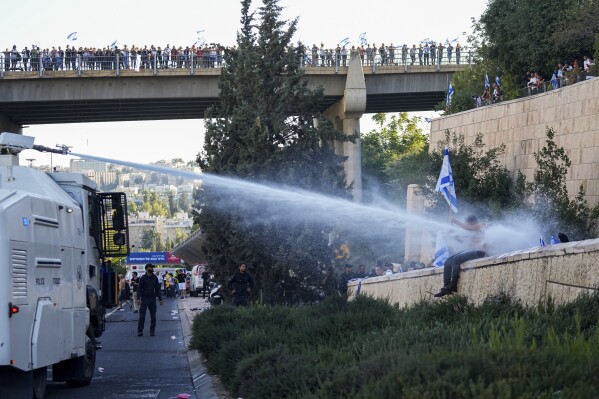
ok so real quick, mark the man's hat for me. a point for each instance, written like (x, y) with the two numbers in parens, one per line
(149, 265)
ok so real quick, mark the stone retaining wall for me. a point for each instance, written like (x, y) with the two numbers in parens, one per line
(561, 271)
(572, 111)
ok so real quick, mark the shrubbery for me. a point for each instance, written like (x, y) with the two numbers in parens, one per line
(370, 349)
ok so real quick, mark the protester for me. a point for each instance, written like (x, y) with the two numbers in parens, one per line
(329, 282)
(134, 286)
(147, 292)
(476, 249)
(344, 278)
(241, 285)
(180, 278)
(124, 293)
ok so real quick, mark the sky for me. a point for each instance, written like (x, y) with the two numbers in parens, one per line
(177, 22)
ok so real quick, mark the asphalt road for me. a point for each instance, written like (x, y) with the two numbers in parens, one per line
(132, 367)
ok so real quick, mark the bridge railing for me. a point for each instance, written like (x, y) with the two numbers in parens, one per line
(81, 64)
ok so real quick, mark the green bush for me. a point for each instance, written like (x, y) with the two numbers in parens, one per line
(370, 349)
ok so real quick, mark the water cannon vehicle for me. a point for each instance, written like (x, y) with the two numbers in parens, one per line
(58, 234)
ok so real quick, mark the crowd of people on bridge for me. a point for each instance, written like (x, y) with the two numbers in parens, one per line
(211, 56)
(430, 54)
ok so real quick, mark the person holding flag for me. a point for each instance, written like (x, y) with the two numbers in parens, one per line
(473, 244)
(450, 92)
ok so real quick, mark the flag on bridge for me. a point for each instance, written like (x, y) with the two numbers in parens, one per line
(445, 184)
(554, 81)
(441, 251)
(450, 92)
(497, 81)
(487, 84)
(72, 37)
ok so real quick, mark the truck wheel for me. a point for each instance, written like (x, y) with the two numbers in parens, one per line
(84, 365)
(40, 377)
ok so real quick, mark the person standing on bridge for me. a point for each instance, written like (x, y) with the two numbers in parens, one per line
(147, 292)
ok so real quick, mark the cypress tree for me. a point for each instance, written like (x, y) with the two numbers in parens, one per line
(264, 131)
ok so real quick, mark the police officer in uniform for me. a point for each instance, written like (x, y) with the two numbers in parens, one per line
(147, 292)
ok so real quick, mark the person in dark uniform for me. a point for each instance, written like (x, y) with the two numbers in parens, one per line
(205, 283)
(147, 291)
(241, 285)
(344, 278)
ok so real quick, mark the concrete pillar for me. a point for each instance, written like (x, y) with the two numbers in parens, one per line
(414, 234)
(7, 125)
(346, 114)
(353, 164)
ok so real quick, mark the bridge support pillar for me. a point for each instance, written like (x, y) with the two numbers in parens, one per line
(7, 125)
(346, 114)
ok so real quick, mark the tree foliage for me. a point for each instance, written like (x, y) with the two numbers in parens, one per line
(535, 34)
(264, 131)
(513, 37)
(393, 140)
(481, 182)
(547, 195)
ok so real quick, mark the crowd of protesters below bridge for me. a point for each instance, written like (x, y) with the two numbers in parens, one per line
(211, 56)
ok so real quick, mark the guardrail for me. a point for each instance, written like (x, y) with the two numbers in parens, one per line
(45, 65)
(570, 79)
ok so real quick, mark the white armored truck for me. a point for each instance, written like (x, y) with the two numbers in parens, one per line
(57, 234)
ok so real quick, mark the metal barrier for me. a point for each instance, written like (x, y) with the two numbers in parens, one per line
(570, 78)
(115, 64)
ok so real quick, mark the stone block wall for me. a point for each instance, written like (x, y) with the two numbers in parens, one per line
(561, 271)
(572, 111)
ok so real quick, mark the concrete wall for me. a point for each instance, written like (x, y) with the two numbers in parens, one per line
(562, 271)
(573, 112)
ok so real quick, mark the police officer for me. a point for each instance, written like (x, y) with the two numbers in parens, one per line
(241, 285)
(147, 291)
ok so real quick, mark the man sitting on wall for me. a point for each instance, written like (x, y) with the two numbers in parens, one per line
(477, 248)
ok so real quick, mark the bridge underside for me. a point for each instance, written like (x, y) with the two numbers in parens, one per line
(33, 113)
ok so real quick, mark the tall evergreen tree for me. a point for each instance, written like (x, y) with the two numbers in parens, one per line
(264, 131)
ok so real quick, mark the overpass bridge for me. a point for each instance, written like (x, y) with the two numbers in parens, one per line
(108, 95)
(31, 97)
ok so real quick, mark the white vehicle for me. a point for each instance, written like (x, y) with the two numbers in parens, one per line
(196, 283)
(56, 236)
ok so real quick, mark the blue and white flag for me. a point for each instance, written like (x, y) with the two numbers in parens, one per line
(487, 84)
(113, 45)
(445, 184)
(72, 37)
(541, 242)
(450, 92)
(554, 81)
(344, 42)
(441, 251)
(427, 120)
(498, 81)
(362, 39)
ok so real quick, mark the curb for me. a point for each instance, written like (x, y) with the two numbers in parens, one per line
(201, 380)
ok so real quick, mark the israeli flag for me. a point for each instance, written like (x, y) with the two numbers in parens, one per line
(72, 37)
(427, 120)
(362, 39)
(441, 251)
(445, 184)
(450, 92)
(113, 45)
(554, 81)
(541, 242)
(308, 59)
(498, 81)
(487, 84)
(344, 42)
